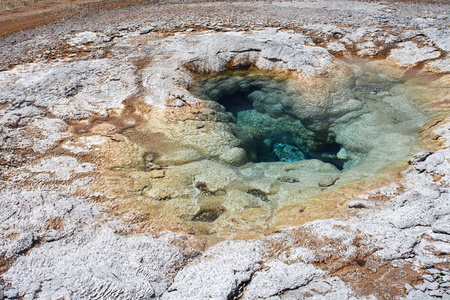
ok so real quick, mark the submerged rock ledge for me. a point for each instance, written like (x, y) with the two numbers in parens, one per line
(106, 193)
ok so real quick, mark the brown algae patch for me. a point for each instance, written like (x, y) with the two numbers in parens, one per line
(285, 154)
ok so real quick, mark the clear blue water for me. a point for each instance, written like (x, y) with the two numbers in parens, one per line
(254, 103)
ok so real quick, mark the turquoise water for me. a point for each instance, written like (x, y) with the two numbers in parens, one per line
(258, 105)
(286, 139)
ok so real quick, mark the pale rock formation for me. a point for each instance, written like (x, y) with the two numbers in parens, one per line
(409, 54)
(440, 65)
(212, 53)
(88, 37)
(278, 277)
(218, 275)
(67, 90)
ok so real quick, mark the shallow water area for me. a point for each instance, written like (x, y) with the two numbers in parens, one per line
(263, 150)
(262, 108)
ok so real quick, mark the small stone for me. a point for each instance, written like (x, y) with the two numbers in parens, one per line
(436, 293)
(418, 157)
(175, 102)
(147, 29)
(336, 47)
(328, 181)
(234, 156)
(359, 204)
(121, 28)
(420, 287)
(428, 277)
(157, 174)
(153, 166)
(415, 294)
(10, 292)
(431, 285)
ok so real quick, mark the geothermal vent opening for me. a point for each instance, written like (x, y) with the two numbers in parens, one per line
(261, 107)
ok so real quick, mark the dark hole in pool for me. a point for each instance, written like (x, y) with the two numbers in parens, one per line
(208, 215)
(259, 107)
(259, 194)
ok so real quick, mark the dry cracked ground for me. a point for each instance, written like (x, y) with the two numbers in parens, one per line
(124, 176)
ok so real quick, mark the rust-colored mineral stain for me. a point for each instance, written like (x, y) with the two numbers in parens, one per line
(55, 223)
(363, 271)
(5, 105)
(386, 282)
(5, 264)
